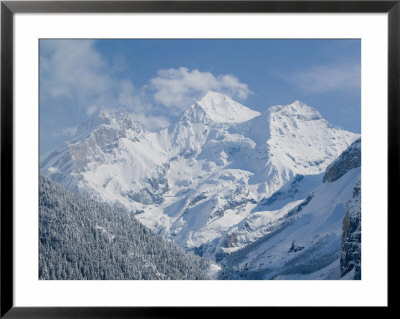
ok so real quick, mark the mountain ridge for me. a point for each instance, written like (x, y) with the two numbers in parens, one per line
(198, 179)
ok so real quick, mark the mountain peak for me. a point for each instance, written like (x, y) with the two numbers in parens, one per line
(212, 97)
(115, 119)
(297, 109)
(222, 109)
(107, 115)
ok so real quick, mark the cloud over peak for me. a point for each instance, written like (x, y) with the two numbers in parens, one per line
(76, 77)
(178, 88)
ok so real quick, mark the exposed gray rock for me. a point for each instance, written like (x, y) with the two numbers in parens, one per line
(154, 190)
(351, 238)
(349, 159)
(294, 248)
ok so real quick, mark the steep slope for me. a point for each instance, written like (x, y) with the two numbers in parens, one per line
(83, 239)
(110, 158)
(222, 109)
(350, 258)
(301, 142)
(349, 159)
(304, 240)
(202, 179)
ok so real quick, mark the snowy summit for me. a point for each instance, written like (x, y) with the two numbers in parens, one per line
(219, 179)
(222, 109)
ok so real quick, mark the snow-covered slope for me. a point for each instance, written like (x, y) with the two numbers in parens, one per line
(109, 158)
(220, 169)
(304, 239)
(302, 142)
(222, 109)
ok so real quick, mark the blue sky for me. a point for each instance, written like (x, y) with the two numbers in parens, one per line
(155, 80)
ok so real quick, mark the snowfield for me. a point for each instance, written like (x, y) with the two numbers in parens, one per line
(237, 186)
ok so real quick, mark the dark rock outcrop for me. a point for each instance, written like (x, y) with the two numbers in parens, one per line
(351, 237)
(349, 159)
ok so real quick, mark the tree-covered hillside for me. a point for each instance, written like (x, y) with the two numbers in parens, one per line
(85, 239)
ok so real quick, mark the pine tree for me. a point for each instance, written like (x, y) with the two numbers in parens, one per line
(85, 239)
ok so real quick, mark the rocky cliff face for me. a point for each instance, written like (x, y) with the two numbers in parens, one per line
(350, 260)
(349, 159)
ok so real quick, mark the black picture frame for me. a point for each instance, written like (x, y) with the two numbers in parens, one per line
(9, 8)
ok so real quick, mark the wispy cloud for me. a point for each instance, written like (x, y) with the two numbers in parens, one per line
(75, 75)
(324, 78)
(66, 131)
(72, 68)
(177, 88)
(151, 122)
(91, 110)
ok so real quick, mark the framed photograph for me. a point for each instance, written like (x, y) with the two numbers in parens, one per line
(161, 156)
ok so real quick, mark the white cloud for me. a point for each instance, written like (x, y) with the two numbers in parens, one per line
(323, 78)
(151, 122)
(178, 88)
(72, 69)
(129, 97)
(75, 77)
(66, 131)
(91, 110)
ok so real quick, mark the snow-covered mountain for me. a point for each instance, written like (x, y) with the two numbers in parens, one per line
(305, 239)
(214, 180)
